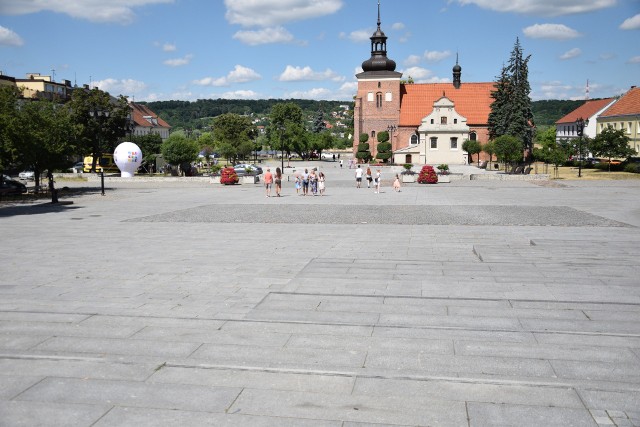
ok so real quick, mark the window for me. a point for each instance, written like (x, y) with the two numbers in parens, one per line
(379, 85)
(455, 121)
(473, 136)
(434, 143)
(431, 121)
(414, 139)
(370, 97)
(379, 99)
(373, 134)
(443, 120)
(454, 143)
(388, 97)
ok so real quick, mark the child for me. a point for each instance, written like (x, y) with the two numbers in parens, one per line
(396, 184)
(298, 184)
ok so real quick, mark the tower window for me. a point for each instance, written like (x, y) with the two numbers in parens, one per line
(379, 99)
(388, 96)
(370, 96)
(373, 134)
(379, 85)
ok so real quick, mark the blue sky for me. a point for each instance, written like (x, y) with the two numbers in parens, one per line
(195, 49)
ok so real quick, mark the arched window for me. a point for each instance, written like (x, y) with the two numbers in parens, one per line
(414, 139)
(379, 99)
(473, 136)
(373, 134)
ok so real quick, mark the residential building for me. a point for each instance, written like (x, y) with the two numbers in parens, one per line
(589, 111)
(624, 114)
(147, 122)
(37, 85)
(427, 122)
(6, 80)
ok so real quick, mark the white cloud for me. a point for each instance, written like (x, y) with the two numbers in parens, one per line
(268, 13)
(301, 74)
(316, 93)
(9, 38)
(178, 62)
(436, 56)
(357, 36)
(239, 74)
(397, 26)
(169, 47)
(240, 94)
(412, 60)
(542, 7)
(634, 60)
(113, 11)
(417, 73)
(550, 31)
(632, 23)
(115, 87)
(573, 53)
(264, 36)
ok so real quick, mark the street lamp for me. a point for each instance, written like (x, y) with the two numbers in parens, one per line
(281, 128)
(391, 129)
(100, 116)
(580, 124)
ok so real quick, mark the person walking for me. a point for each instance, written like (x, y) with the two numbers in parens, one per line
(377, 181)
(305, 182)
(268, 181)
(369, 177)
(396, 183)
(313, 181)
(359, 173)
(321, 180)
(340, 163)
(278, 181)
(298, 184)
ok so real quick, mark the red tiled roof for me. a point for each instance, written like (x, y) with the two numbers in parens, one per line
(629, 104)
(472, 100)
(140, 111)
(586, 110)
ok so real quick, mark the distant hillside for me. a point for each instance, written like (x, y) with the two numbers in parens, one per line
(547, 113)
(197, 114)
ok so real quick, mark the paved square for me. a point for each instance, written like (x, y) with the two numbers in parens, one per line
(179, 302)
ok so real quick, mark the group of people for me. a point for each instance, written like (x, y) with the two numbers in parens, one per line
(374, 180)
(309, 182)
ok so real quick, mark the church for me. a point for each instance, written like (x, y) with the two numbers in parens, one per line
(427, 122)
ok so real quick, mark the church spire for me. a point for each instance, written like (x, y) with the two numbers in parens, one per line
(457, 72)
(378, 60)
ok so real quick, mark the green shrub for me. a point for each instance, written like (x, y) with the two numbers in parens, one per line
(632, 168)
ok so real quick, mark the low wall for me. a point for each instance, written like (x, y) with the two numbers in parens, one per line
(507, 177)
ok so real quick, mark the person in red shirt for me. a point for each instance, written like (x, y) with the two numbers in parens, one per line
(268, 181)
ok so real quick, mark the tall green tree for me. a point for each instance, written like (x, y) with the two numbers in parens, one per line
(8, 125)
(384, 146)
(286, 130)
(177, 150)
(611, 143)
(472, 147)
(103, 121)
(233, 135)
(318, 123)
(363, 152)
(511, 112)
(508, 148)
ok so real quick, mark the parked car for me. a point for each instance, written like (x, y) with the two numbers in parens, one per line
(27, 175)
(10, 186)
(241, 169)
(77, 168)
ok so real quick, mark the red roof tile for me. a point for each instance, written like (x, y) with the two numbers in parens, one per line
(472, 100)
(628, 104)
(139, 113)
(586, 110)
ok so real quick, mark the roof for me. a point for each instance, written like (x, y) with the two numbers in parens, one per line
(628, 104)
(586, 110)
(142, 112)
(472, 100)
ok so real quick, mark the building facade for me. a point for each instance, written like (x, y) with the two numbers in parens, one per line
(147, 122)
(427, 122)
(566, 128)
(624, 114)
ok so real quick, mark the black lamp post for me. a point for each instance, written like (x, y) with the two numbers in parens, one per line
(391, 129)
(282, 148)
(580, 123)
(100, 116)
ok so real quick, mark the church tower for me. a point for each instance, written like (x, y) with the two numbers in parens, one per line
(377, 103)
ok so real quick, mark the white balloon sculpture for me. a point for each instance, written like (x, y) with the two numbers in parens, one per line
(128, 158)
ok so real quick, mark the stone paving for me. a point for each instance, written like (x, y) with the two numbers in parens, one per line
(472, 303)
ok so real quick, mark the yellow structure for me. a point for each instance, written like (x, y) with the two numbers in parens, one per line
(624, 114)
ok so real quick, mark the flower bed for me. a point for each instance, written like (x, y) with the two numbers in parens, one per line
(427, 175)
(228, 176)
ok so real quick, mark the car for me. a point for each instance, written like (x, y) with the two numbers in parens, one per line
(77, 168)
(9, 186)
(27, 175)
(247, 169)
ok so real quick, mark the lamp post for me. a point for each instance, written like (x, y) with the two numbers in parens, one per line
(580, 131)
(100, 116)
(281, 128)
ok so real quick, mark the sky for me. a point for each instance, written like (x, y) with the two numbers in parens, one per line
(156, 50)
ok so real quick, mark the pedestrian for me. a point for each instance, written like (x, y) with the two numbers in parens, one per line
(359, 173)
(396, 183)
(305, 182)
(334, 157)
(278, 181)
(313, 181)
(340, 163)
(377, 181)
(268, 181)
(321, 181)
(298, 184)
(369, 177)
